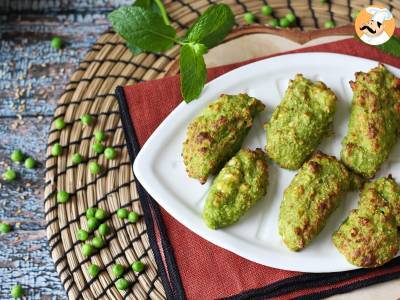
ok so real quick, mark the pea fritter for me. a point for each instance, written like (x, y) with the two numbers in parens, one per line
(300, 122)
(369, 236)
(374, 121)
(241, 183)
(218, 133)
(314, 193)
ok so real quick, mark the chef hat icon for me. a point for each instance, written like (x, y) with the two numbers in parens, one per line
(379, 14)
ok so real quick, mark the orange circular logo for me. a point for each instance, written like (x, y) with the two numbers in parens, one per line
(375, 25)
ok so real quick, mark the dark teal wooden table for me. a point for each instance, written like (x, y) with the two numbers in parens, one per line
(32, 76)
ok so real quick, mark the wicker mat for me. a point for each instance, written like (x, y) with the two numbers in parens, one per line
(91, 91)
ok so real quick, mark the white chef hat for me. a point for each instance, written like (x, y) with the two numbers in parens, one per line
(379, 14)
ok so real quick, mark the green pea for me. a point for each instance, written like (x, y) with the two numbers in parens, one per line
(92, 223)
(94, 168)
(104, 229)
(118, 270)
(133, 217)
(10, 175)
(291, 18)
(249, 18)
(329, 24)
(90, 212)
(100, 136)
(59, 123)
(273, 22)
(62, 197)
(122, 284)
(98, 242)
(87, 250)
(283, 22)
(110, 153)
(323, 1)
(355, 14)
(56, 150)
(138, 266)
(93, 270)
(86, 119)
(98, 148)
(56, 42)
(5, 228)
(82, 235)
(17, 291)
(30, 163)
(100, 214)
(266, 10)
(77, 158)
(17, 156)
(122, 213)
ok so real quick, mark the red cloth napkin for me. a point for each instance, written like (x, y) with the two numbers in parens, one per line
(192, 266)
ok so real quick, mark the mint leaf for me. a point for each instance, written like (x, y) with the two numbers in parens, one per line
(135, 50)
(143, 28)
(155, 6)
(391, 47)
(193, 70)
(211, 28)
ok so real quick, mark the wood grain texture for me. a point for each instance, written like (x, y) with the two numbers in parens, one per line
(32, 77)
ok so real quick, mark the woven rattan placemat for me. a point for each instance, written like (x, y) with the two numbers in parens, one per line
(91, 90)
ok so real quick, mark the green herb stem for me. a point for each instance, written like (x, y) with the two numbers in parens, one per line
(163, 11)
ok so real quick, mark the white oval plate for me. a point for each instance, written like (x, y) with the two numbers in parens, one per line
(160, 169)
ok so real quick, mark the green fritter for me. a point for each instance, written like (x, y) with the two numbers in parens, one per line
(368, 237)
(218, 133)
(314, 193)
(374, 121)
(389, 190)
(241, 183)
(299, 123)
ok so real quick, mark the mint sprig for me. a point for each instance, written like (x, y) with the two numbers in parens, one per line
(145, 27)
(391, 47)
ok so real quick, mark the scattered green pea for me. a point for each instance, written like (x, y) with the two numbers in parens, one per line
(30, 163)
(90, 212)
(77, 158)
(5, 228)
(93, 270)
(138, 266)
(329, 24)
(100, 136)
(122, 213)
(110, 153)
(266, 10)
(56, 42)
(133, 217)
(291, 18)
(10, 175)
(59, 123)
(104, 229)
(98, 148)
(249, 18)
(355, 14)
(122, 284)
(17, 156)
(82, 235)
(62, 197)
(100, 214)
(118, 270)
(87, 119)
(98, 242)
(94, 168)
(92, 223)
(56, 150)
(283, 22)
(87, 250)
(17, 291)
(273, 22)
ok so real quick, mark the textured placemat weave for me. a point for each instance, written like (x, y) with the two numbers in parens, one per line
(91, 91)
